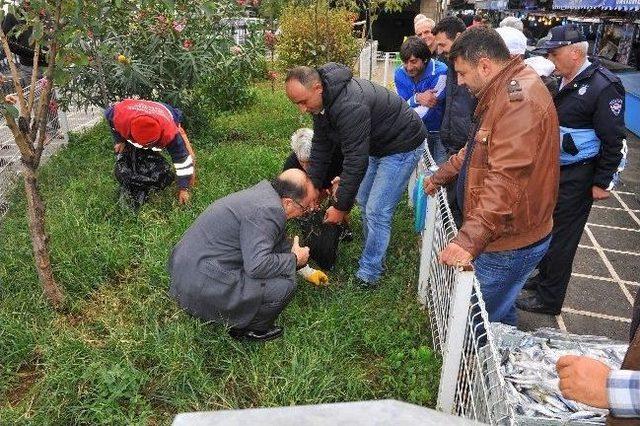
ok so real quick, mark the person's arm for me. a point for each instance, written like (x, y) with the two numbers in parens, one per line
(623, 393)
(118, 139)
(608, 121)
(512, 152)
(259, 234)
(182, 161)
(354, 127)
(321, 152)
(439, 90)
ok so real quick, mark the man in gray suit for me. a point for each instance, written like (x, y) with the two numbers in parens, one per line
(235, 266)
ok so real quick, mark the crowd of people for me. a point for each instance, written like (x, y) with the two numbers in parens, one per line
(525, 143)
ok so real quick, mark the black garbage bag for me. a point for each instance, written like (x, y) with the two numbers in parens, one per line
(139, 171)
(322, 239)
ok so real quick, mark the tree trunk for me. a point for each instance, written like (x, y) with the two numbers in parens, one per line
(40, 240)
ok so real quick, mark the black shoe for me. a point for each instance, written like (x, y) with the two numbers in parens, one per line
(256, 336)
(533, 303)
(365, 285)
(532, 283)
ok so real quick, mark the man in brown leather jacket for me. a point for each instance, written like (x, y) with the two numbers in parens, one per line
(507, 172)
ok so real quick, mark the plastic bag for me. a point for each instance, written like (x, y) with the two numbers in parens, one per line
(419, 204)
(322, 239)
(139, 171)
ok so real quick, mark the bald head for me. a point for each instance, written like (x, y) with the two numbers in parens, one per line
(296, 192)
(292, 183)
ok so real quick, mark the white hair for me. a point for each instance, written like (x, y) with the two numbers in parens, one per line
(513, 22)
(419, 17)
(301, 143)
(582, 47)
(424, 19)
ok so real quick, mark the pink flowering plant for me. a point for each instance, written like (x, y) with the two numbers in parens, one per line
(164, 53)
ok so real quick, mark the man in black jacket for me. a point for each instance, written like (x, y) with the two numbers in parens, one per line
(459, 103)
(381, 139)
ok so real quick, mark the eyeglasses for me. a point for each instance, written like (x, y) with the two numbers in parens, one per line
(305, 210)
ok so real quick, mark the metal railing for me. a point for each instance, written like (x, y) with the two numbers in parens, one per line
(471, 384)
(59, 124)
(376, 65)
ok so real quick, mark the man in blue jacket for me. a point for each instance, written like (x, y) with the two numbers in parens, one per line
(421, 73)
(593, 149)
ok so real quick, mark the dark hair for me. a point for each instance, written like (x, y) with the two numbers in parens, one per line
(416, 47)
(289, 189)
(478, 18)
(479, 42)
(305, 75)
(451, 26)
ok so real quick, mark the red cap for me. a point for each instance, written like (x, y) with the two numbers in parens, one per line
(145, 129)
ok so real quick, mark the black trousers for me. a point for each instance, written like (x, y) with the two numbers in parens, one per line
(277, 295)
(569, 218)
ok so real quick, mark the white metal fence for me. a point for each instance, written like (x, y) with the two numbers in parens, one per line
(471, 384)
(377, 66)
(59, 124)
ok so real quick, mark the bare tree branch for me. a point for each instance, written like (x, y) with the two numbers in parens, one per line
(34, 78)
(14, 74)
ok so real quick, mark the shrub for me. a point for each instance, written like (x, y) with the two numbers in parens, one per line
(173, 55)
(314, 35)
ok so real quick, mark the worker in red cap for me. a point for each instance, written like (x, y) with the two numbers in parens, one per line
(156, 126)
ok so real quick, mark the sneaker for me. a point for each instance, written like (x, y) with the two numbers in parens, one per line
(255, 335)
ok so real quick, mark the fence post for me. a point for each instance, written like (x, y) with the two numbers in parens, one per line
(386, 69)
(453, 347)
(427, 248)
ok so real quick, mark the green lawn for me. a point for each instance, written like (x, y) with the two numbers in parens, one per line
(124, 353)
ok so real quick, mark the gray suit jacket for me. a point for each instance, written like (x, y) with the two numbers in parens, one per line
(220, 266)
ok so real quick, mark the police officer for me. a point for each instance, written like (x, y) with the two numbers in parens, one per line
(590, 105)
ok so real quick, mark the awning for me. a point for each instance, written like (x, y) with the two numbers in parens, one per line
(627, 5)
(597, 4)
(585, 4)
(492, 4)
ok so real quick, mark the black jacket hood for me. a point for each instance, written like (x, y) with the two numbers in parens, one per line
(334, 78)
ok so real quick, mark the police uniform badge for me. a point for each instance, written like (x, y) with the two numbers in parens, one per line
(616, 106)
(583, 90)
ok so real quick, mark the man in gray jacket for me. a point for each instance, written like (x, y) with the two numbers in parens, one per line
(235, 266)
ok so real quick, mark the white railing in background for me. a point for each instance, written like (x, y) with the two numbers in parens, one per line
(59, 124)
(471, 384)
(377, 66)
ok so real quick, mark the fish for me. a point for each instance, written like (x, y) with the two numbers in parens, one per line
(528, 366)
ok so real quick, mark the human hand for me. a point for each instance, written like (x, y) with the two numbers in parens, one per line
(334, 186)
(183, 196)
(454, 255)
(427, 98)
(118, 148)
(11, 98)
(314, 276)
(599, 194)
(334, 216)
(584, 379)
(302, 253)
(429, 187)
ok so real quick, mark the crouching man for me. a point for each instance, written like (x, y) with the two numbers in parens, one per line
(235, 266)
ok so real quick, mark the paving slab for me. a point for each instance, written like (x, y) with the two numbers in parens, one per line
(616, 239)
(582, 324)
(606, 269)
(383, 412)
(601, 297)
(588, 261)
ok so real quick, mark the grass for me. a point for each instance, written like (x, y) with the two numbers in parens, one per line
(124, 353)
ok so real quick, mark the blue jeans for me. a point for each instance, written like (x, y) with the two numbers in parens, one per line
(380, 190)
(437, 150)
(502, 275)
